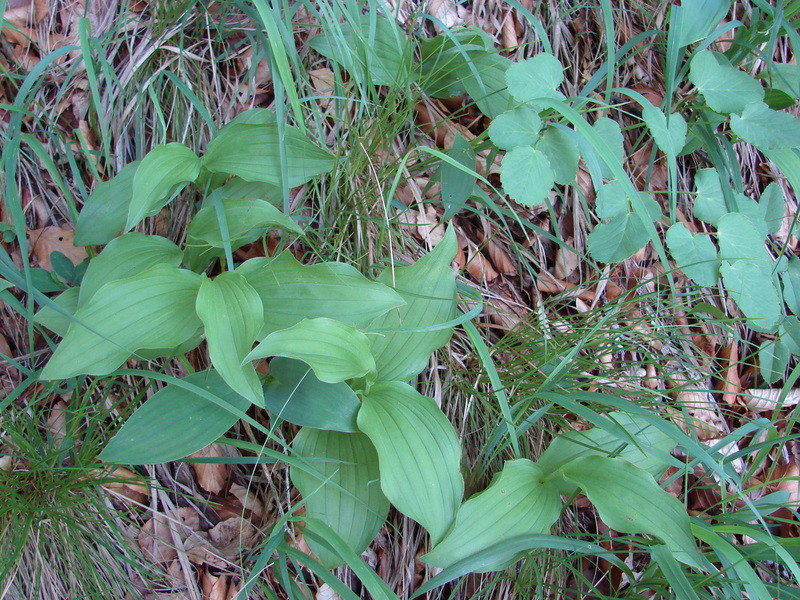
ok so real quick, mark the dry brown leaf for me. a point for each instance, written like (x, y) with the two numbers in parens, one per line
(248, 500)
(500, 259)
(23, 15)
(156, 535)
(4, 347)
(790, 476)
(223, 544)
(46, 240)
(214, 588)
(125, 483)
(729, 385)
(566, 262)
(212, 477)
(57, 422)
(707, 423)
(767, 399)
(322, 81)
(446, 12)
(325, 592)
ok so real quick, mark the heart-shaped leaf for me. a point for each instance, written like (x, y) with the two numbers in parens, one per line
(695, 253)
(618, 239)
(669, 135)
(726, 89)
(515, 128)
(536, 77)
(754, 293)
(766, 128)
(561, 150)
(526, 175)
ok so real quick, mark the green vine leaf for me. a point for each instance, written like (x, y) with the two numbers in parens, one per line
(695, 253)
(526, 175)
(726, 89)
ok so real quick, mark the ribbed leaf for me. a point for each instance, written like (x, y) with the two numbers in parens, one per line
(163, 168)
(104, 213)
(126, 256)
(297, 396)
(517, 502)
(419, 454)
(291, 292)
(252, 152)
(429, 291)
(154, 309)
(630, 501)
(54, 320)
(247, 220)
(232, 315)
(347, 496)
(175, 422)
(627, 436)
(335, 351)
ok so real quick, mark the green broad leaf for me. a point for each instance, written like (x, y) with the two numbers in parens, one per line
(485, 82)
(372, 49)
(247, 220)
(126, 256)
(777, 99)
(766, 128)
(253, 116)
(527, 176)
(753, 211)
(773, 358)
(791, 285)
(346, 495)
(629, 500)
(239, 189)
(786, 78)
(536, 77)
(252, 152)
(754, 293)
(176, 422)
(232, 315)
(153, 309)
(610, 131)
(334, 350)
(726, 89)
(429, 290)
(613, 200)
(772, 207)
(693, 20)
(163, 168)
(626, 436)
(52, 319)
(418, 452)
(515, 128)
(561, 150)
(456, 185)
(740, 240)
(669, 135)
(517, 502)
(443, 64)
(291, 292)
(709, 203)
(789, 334)
(104, 213)
(618, 239)
(297, 396)
(695, 254)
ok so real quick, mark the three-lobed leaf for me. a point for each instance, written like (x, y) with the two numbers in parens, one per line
(418, 452)
(232, 315)
(341, 487)
(517, 502)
